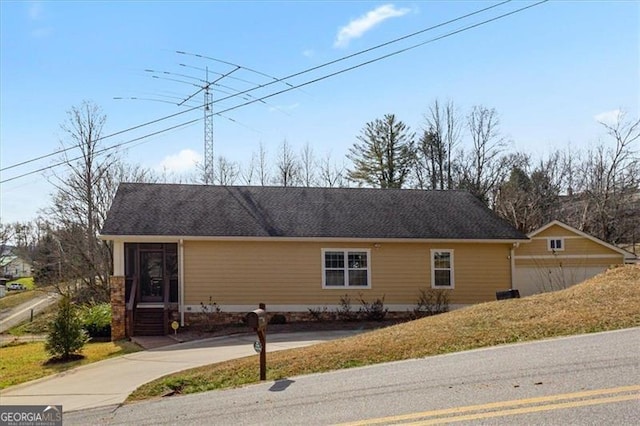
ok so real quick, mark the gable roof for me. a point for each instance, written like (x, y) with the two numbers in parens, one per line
(627, 255)
(297, 212)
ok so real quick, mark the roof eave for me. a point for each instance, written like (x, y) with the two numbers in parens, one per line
(172, 238)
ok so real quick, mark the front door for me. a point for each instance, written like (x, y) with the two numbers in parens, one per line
(151, 276)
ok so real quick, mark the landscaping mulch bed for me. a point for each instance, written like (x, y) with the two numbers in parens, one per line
(188, 334)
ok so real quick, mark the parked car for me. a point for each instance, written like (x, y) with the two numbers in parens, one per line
(15, 286)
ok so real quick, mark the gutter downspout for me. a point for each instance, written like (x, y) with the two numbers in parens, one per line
(513, 261)
(181, 280)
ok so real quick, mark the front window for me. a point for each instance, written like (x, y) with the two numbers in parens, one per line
(345, 268)
(442, 269)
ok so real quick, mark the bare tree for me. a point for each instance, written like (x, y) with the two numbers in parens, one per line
(288, 166)
(611, 179)
(226, 172)
(530, 199)
(247, 174)
(434, 162)
(6, 236)
(385, 156)
(307, 166)
(83, 196)
(483, 168)
(263, 166)
(331, 175)
(75, 205)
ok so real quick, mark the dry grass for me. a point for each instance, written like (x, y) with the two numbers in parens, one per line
(607, 302)
(26, 361)
(39, 325)
(15, 298)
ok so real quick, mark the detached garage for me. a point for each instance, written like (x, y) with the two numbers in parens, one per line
(560, 256)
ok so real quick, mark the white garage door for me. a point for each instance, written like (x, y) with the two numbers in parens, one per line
(534, 280)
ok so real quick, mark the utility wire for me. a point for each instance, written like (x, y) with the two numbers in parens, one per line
(379, 58)
(361, 52)
(60, 151)
(103, 150)
(272, 94)
(63, 150)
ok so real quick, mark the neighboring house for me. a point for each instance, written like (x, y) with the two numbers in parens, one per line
(14, 266)
(560, 256)
(177, 246)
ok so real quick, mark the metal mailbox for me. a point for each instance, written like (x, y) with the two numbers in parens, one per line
(508, 294)
(257, 319)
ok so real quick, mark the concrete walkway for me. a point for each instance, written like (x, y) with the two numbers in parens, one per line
(110, 381)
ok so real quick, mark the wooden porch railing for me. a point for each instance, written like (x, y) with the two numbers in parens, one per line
(131, 307)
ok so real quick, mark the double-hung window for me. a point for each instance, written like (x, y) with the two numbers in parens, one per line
(555, 244)
(442, 269)
(346, 268)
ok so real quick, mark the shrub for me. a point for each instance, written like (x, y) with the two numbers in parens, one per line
(96, 319)
(345, 311)
(431, 302)
(209, 314)
(66, 336)
(374, 311)
(320, 314)
(278, 319)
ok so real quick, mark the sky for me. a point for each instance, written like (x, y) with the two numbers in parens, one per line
(551, 72)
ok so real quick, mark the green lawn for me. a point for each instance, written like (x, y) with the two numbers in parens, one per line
(23, 362)
(26, 281)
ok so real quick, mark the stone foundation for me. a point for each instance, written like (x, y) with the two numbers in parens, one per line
(200, 321)
(118, 308)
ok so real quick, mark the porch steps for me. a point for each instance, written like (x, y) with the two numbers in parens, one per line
(148, 322)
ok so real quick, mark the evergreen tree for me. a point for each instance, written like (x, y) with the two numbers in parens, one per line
(66, 335)
(385, 155)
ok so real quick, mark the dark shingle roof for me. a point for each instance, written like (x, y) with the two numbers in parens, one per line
(239, 211)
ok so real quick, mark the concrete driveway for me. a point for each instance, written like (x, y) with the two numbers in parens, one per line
(110, 381)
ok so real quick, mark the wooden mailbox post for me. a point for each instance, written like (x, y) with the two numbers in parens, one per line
(257, 320)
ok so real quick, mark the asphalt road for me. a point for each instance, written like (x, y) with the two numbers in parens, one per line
(589, 379)
(21, 313)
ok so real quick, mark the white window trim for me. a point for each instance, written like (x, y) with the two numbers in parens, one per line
(346, 285)
(561, 239)
(433, 269)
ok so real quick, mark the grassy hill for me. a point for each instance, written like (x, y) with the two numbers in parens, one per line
(606, 302)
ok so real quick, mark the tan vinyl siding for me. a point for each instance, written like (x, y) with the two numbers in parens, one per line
(568, 263)
(556, 231)
(245, 273)
(574, 245)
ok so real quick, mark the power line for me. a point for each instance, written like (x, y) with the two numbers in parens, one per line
(361, 52)
(63, 150)
(469, 27)
(275, 80)
(103, 150)
(397, 52)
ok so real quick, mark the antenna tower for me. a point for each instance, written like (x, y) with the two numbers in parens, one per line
(208, 132)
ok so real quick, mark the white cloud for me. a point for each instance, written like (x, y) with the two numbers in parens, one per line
(309, 53)
(181, 162)
(284, 108)
(609, 117)
(357, 27)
